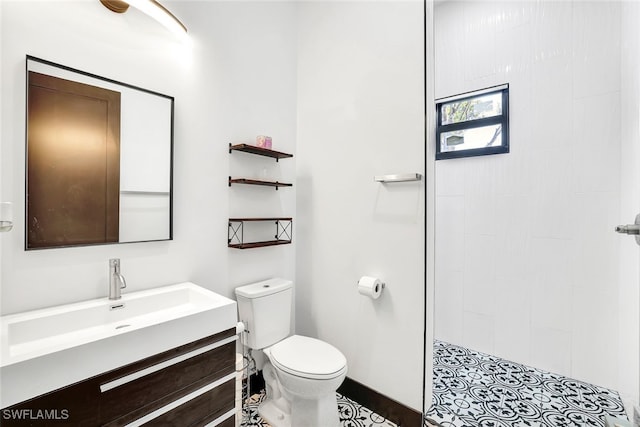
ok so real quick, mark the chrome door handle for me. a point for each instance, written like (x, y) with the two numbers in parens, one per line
(632, 229)
(628, 229)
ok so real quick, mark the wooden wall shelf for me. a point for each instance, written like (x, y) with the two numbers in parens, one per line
(284, 226)
(258, 244)
(247, 181)
(259, 151)
(235, 233)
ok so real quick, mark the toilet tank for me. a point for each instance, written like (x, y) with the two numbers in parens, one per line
(265, 309)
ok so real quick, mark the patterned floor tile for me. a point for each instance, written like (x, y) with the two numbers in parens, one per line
(351, 413)
(476, 389)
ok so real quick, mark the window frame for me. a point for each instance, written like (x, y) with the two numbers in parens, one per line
(502, 119)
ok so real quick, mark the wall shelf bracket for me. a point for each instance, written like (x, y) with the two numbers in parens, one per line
(235, 234)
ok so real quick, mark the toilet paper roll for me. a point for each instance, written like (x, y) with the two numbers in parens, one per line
(370, 286)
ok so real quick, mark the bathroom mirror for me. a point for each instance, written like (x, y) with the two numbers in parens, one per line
(98, 159)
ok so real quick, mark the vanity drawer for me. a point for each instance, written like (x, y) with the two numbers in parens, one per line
(133, 392)
(200, 410)
(75, 405)
(231, 422)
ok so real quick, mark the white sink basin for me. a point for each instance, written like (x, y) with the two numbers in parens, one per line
(95, 336)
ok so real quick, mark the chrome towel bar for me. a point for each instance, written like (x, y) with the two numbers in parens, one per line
(402, 177)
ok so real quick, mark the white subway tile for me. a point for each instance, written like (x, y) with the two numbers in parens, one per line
(448, 306)
(595, 338)
(450, 239)
(551, 350)
(478, 331)
(596, 47)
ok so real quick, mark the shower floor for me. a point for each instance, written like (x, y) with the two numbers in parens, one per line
(473, 389)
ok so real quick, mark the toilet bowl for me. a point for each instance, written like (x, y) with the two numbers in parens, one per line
(302, 373)
(302, 377)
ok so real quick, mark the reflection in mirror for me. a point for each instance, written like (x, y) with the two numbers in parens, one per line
(99, 160)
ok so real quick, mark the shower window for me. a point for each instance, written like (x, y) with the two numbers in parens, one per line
(473, 124)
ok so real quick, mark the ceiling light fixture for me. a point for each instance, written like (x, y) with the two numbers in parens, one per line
(151, 8)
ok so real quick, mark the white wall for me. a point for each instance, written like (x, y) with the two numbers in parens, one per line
(527, 263)
(360, 114)
(356, 72)
(235, 79)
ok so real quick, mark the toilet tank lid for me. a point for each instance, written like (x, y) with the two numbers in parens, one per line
(264, 288)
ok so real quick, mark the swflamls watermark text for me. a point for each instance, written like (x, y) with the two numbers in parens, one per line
(35, 414)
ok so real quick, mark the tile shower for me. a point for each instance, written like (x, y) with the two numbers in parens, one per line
(527, 264)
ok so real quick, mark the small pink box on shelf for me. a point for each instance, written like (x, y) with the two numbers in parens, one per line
(263, 141)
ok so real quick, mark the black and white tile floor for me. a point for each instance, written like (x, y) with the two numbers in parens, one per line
(351, 414)
(473, 389)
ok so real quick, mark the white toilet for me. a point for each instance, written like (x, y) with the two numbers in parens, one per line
(303, 373)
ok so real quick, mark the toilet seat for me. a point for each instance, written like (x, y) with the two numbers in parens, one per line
(308, 358)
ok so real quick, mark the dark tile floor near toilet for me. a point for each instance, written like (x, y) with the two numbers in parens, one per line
(473, 389)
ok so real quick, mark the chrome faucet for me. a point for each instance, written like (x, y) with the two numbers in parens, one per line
(116, 280)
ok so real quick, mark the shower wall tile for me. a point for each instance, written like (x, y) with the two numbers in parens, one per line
(479, 41)
(592, 317)
(596, 267)
(552, 284)
(478, 332)
(479, 277)
(514, 214)
(553, 170)
(552, 23)
(596, 132)
(478, 175)
(480, 217)
(551, 307)
(451, 181)
(450, 233)
(513, 175)
(596, 48)
(551, 350)
(448, 25)
(514, 15)
(553, 260)
(448, 308)
(512, 320)
(551, 99)
(513, 50)
(554, 215)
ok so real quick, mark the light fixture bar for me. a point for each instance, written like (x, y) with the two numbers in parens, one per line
(117, 6)
(152, 8)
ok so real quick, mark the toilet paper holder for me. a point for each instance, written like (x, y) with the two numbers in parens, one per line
(371, 287)
(382, 284)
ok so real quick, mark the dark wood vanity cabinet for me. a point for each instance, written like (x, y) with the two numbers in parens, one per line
(191, 385)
